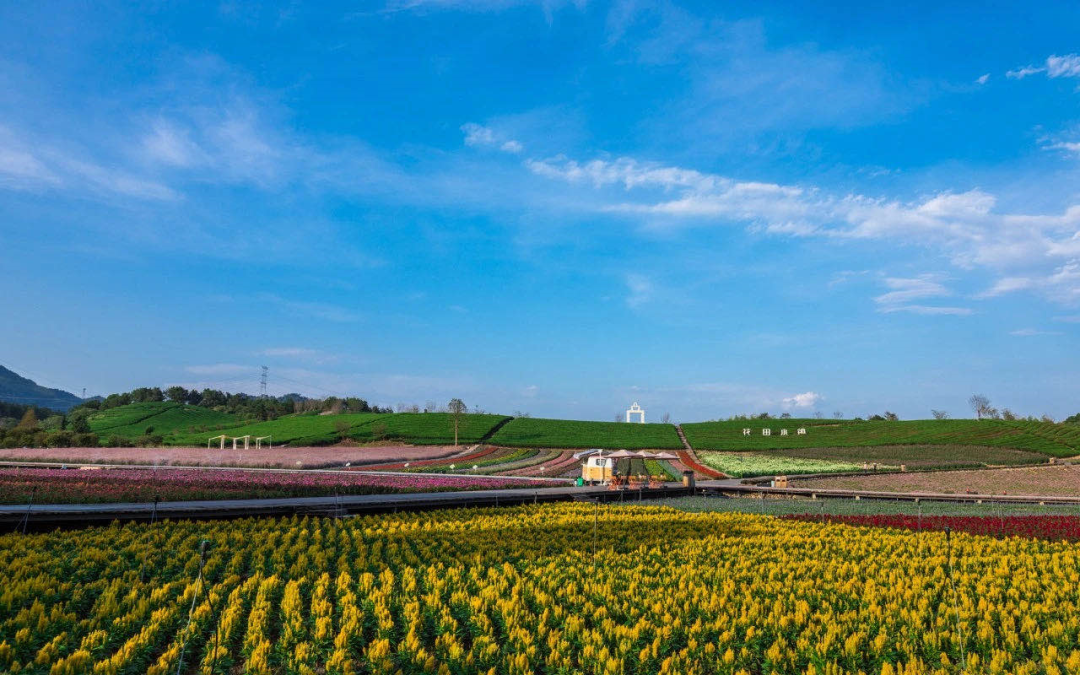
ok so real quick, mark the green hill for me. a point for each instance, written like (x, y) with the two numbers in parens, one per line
(1055, 440)
(194, 425)
(546, 433)
(307, 429)
(15, 388)
(165, 419)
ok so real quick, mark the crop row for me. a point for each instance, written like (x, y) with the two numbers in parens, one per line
(570, 588)
(743, 464)
(1038, 527)
(66, 486)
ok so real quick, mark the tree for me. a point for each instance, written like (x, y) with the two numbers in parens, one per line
(785, 416)
(29, 421)
(665, 418)
(838, 415)
(177, 394)
(980, 404)
(891, 416)
(1008, 415)
(939, 414)
(79, 423)
(457, 410)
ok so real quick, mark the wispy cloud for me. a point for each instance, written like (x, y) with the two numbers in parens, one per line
(1033, 332)
(479, 136)
(28, 163)
(905, 291)
(1054, 66)
(966, 226)
(983, 79)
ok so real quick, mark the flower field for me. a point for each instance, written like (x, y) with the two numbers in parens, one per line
(70, 486)
(1057, 480)
(523, 590)
(1035, 527)
(743, 464)
(276, 457)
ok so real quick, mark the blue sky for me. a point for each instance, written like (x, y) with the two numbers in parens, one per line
(550, 207)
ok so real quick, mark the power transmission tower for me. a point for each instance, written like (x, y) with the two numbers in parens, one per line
(262, 382)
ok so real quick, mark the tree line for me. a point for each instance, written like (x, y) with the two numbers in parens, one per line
(39, 427)
(243, 405)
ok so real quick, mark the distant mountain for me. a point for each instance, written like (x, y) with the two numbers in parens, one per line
(15, 388)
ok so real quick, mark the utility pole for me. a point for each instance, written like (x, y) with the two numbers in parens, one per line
(262, 382)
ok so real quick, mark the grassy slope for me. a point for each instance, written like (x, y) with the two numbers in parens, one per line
(545, 433)
(131, 421)
(1048, 439)
(416, 428)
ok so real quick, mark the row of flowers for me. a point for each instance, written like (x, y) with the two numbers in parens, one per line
(570, 588)
(66, 486)
(1035, 526)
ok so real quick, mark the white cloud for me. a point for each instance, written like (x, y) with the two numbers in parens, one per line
(1054, 66)
(805, 400)
(1070, 147)
(1062, 285)
(983, 79)
(479, 136)
(50, 166)
(1063, 66)
(1021, 73)
(1032, 332)
(968, 226)
(905, 290)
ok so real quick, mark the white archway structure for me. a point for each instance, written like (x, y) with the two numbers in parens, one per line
(636, 410)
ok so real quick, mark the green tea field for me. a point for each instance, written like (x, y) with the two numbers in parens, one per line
(164, 418)
(1054, 440)
(546, 433)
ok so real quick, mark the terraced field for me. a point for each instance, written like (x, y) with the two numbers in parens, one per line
(547, 433)
(1055, 440)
